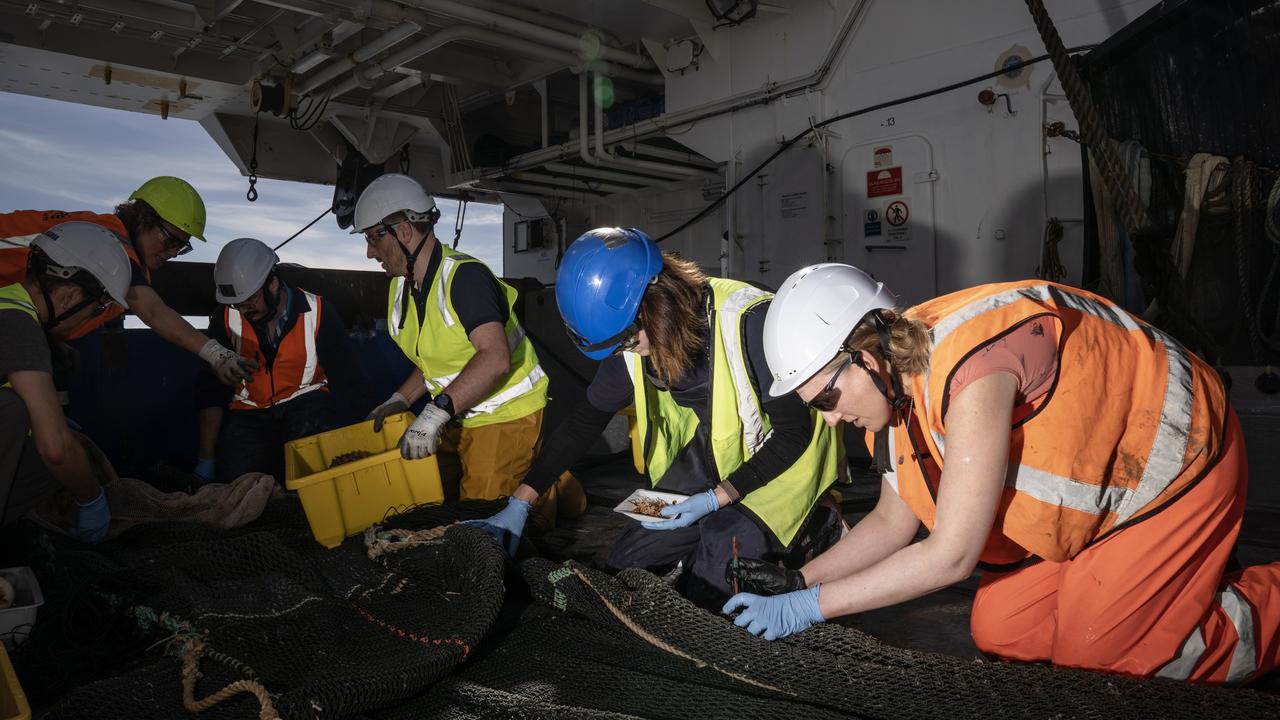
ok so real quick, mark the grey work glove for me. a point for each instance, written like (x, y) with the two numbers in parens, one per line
(393, 405)
(226, 363)
(422, 437)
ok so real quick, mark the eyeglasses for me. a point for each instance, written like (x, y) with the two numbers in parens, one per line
(376, 234)
(173, 242)
(829, 395)
(249, 300)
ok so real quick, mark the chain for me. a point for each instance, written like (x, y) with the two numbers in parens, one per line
(1132, 213)
(252, 195)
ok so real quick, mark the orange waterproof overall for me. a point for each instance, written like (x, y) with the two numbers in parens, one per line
(1127, 482)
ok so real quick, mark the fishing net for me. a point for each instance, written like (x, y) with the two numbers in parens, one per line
(629, 647)
(262, 620)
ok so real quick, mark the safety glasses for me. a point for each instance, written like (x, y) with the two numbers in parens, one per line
(173, 242)
(626, 341)
(377, 233)
(249, 300)
(829, 395)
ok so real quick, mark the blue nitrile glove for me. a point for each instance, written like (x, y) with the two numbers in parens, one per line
(686, 512)
(93, 521)
(507, 526)
(777, 615)
(204, 469)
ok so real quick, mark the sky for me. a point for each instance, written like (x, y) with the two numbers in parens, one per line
(65, 156)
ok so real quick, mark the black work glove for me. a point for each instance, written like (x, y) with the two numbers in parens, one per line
(762, 577)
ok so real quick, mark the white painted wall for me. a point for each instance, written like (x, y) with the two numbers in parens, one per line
(995, 185)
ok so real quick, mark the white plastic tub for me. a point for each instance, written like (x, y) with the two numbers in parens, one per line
(16, 621)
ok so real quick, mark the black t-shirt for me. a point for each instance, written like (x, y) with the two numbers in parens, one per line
(476, 295)
(23, 345)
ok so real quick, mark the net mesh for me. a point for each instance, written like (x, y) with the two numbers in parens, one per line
(605, 646)
(422, 631)
(314, 633)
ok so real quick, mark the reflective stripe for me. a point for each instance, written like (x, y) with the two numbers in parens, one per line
(393, 327)
(1240, 612)
(442, 297)
(446, 270)
(18, 303)
(1243, 658)
(494, 402)
(309, 320)
(1180, 667)
(892, 475)
(1064, 491)
(753, 430)
(19, 241)
(235, 328)
(1165, 459)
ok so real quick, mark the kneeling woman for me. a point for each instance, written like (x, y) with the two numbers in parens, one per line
(687, 351)
(1087, 461)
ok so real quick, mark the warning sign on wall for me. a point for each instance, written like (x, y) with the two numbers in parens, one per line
(882, 157)
(897, 213)
(886, 181)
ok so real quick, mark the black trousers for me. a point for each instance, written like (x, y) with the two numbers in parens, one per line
(706, 547)
(24, 479)
(253, 440)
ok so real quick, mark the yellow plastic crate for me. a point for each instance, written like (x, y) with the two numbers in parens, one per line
(13, 702)
(345, 500)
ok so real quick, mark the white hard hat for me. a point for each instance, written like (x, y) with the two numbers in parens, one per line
(389, 194)
(77, 246)
(810, 317)
(243, 267)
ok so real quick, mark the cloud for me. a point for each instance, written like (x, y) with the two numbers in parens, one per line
(67, 156)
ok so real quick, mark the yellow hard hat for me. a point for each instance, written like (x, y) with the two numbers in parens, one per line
(175, 201)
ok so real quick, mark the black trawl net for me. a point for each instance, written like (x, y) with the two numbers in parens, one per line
(265, 615)
(630, 647)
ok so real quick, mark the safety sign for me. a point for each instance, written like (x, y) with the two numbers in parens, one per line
(871, 223)
(882, 157)
(886, 181)
(897, 213)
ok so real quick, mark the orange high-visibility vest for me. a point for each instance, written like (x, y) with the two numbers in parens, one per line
(296, 369)
(1132, 420)
(19, 228)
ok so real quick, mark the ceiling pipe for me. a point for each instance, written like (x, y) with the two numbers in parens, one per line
(604, 158)
(471, 13)
(764, 95)
(455, 33)
(362, 54)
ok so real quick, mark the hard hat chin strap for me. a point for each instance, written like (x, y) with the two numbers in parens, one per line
(898, 400)
(410, 257)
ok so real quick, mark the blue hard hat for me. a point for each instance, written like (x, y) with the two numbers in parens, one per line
(601, 281)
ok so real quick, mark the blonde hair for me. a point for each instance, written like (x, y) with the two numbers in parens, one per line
(909, 343)
(673, 317)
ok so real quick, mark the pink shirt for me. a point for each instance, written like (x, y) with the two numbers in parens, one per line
(1029, 353)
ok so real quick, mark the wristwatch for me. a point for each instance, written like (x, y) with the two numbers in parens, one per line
(445, 403)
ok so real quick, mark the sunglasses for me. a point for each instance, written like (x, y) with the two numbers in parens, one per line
(829, 395)
(173, 242)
